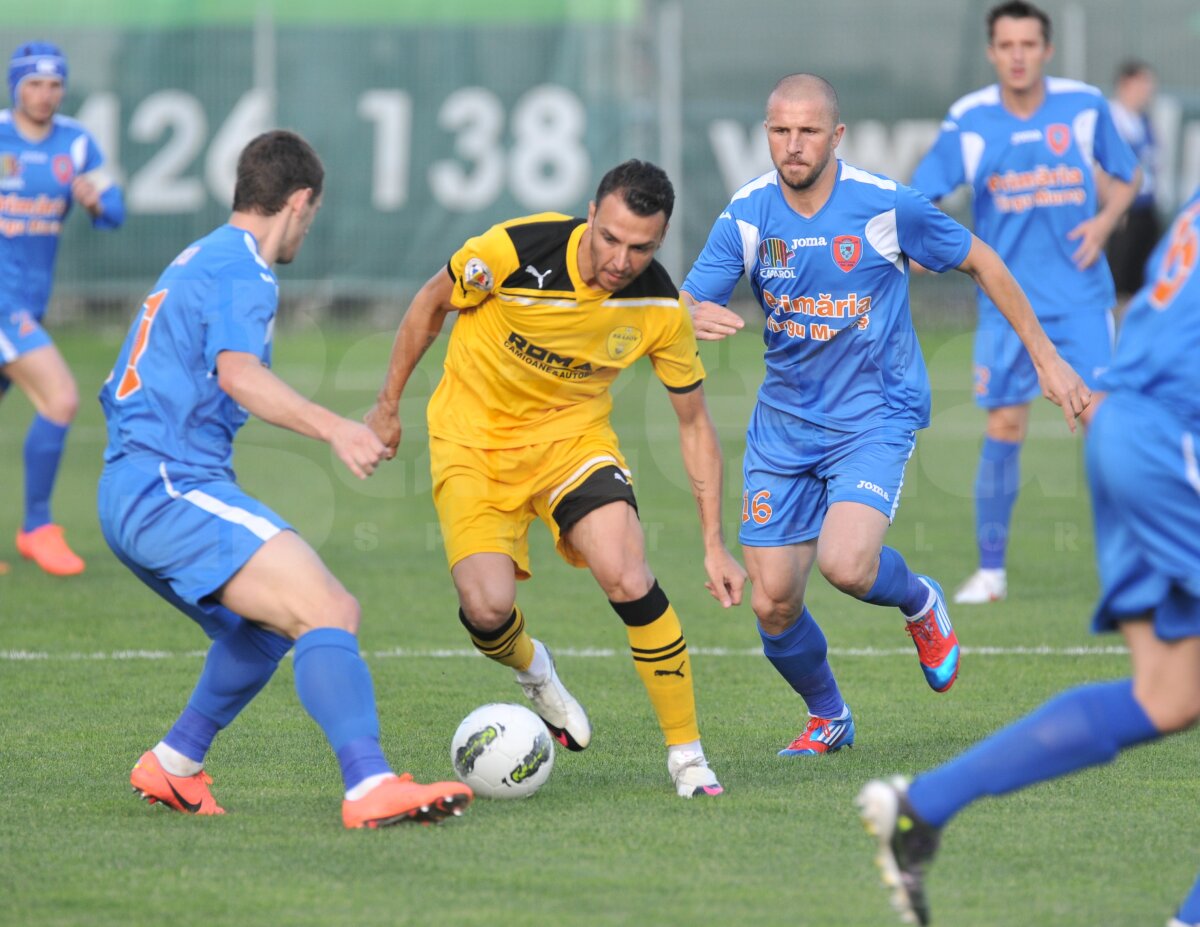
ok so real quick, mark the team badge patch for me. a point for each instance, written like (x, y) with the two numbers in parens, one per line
(478, 275)
(63, 169)
(1058, 137)
(623, 340)
(847, 249)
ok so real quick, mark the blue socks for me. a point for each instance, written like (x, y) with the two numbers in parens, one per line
(996, 484)
(895, 584)
(335, 688)
(44, 445)
(236, 668)
(799, 654)
(1189, 911)
(1081, 727)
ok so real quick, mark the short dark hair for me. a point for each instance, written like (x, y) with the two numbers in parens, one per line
(1017, 9)
(273, 167)
(1132, 67)
(643, 186)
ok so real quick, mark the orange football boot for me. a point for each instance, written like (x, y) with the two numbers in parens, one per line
(188, 794)
(400, 799)
(47, 547)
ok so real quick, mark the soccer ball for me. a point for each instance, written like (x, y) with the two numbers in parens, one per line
(502, 751)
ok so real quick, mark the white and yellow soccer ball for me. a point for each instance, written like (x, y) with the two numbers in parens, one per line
(502, 751)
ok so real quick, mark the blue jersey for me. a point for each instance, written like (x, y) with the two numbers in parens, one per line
(162, 397)
(35, 197)
(1033, 183)
(1158, 348)
(841, 351)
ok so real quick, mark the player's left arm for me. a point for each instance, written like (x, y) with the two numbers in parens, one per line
(701, 451)
(94, 187)
(1059, 381)
(1092, 234)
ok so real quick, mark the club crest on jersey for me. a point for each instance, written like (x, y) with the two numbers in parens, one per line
(1058, 137)
(63, 169)
(847, 249)
(773, 257)
(478, 275)
(623, 340)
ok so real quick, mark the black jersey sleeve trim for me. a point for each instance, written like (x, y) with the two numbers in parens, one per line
(685, 389)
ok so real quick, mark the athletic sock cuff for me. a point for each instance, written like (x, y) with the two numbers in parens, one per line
(494, 634)
(646, 610)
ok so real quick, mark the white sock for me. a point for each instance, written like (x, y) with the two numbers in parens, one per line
(539, 667)
(175, 762)
(691, 747)
(366, 785)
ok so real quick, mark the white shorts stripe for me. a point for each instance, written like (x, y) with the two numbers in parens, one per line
(565, 484)
(8, 351)
(260, 527)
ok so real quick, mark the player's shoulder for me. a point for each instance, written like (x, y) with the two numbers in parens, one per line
(1063, 87)
(536, 233)
(864, 181)
(652, 287)
(71, 127)
(226, 251)
(976, 103)
(755, 191)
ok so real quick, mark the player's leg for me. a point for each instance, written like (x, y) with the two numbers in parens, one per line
(286, 587)
(483, 505)
(1005, 384)
(794, 644)
(609, 539)
(42, 374)
(783, 506)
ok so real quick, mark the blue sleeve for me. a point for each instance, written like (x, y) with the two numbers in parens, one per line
(112, 201)
(238, 316)
(720, 265)
(1112, 151)
(941, 170)
(928, 235)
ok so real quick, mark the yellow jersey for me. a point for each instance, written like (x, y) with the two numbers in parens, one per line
(534, 350)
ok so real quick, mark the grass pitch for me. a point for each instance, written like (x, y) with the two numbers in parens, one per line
(94, 669)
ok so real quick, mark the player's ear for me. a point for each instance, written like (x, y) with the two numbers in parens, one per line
(299, 199)
(591, 218)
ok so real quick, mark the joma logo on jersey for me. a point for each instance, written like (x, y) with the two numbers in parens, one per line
(774, 255)
(543, 357)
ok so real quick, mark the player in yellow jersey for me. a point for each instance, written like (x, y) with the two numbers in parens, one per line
(550, 310)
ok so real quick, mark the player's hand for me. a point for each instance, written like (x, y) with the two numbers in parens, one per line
(84, 192)
(1063, 386)
(726, 578)
(713, 322)
(385, 422)
(358, 447)
(1091, 234)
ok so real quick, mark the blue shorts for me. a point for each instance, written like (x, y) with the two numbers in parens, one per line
(20, 333)
(183, 534)
(1146, 500)
(1004, 372)
(794, 470)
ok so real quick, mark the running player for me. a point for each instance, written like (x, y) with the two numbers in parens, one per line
(195, 366)
(550, 309)
(47, 163)
(1028, 146)
(826, 247)
(1146, 496)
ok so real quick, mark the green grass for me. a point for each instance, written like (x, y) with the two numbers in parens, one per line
(606, 841)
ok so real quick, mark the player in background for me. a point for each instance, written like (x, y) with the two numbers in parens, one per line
(195, 366)
(47, 163)
(825, 247)
(550, 309)
(1136, 234)
(1146, 500)
(1027, 146)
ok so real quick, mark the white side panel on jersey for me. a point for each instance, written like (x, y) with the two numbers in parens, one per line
(972, 153)
(750, 239)
(883, 237)
(1084, 130)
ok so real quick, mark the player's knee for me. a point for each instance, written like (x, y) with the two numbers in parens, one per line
(484, 610)
(343, 611)
(851, 574)
(775, 615)
(61, 407)
(1170, 708)
(627, 585)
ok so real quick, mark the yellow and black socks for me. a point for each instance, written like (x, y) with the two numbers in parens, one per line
(509, 644)
(660, 657)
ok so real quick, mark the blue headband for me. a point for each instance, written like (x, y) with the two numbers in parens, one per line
(35, 59)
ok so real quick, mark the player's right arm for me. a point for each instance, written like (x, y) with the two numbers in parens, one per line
(709, 284)
(419, 328)
(257, 390)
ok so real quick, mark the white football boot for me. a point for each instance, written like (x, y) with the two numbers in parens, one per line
(981, 587)
(691, 775)
(563, 714)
